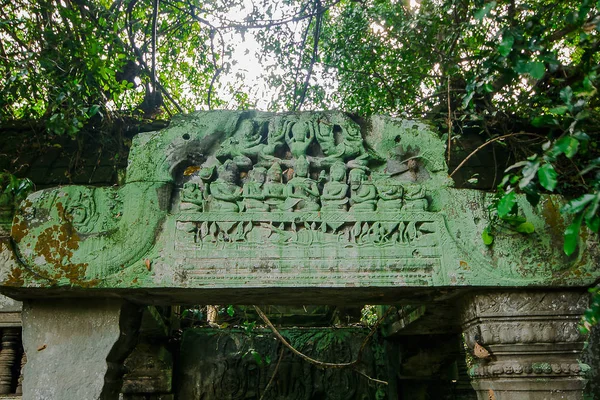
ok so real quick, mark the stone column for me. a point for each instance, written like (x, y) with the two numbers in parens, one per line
(8, 358)
(76, 347)
(525, 345)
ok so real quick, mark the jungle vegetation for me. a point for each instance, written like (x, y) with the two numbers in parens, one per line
(522, 73)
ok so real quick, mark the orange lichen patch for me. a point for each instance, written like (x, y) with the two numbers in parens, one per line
(191, 170)
(18, 230)
(19, 227)
(57, 244)
(15, 278)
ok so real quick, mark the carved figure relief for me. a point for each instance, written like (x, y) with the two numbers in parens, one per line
(301, 190)
(253, 193)
(274, 190)
(298, 164)
(225, 193)
(363, 193)
(335, 192)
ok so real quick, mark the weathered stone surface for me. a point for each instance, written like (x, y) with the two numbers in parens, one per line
(149, 367)
(280, 202)
(75, 349)
(591, 357)
(10, 312)
(526, 345)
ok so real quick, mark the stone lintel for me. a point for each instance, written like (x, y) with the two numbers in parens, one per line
(243, 201)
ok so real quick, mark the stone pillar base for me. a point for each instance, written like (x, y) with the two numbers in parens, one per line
(525, 345)
(75, 348)
(529, 388)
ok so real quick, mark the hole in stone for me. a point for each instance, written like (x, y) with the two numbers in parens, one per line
(186, 136)
(397, 139)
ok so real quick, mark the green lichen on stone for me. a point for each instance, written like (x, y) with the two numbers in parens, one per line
(225, 200)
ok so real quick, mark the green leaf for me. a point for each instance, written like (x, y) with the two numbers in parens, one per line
(257, 357)
(566, 94)
(506, 45)
(548, 177)
(514, 220)
(567, 145)
(506, 204)
(483, 12)
(577, 205)
(572, 236)
(536, 69)
(528, 173)
(587, 84)
(543, 120)
(526, 227)
(230, 310)
(532, 194)
(487, 236)
(560, 110)
(593, 223)
(94, 110)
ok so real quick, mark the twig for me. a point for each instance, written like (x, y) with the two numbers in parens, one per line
(299, 64)
(370, 378)
(313, 58)
(495, 167)
(322, 364)
(489, 142)
(154, 25)
(274, 373)
(140, 56)
(271, 23)
(318, 363)
(449, 123)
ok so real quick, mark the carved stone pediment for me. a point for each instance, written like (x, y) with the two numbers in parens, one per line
(251, 200)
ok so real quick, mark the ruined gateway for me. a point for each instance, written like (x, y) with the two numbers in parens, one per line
(238, 207)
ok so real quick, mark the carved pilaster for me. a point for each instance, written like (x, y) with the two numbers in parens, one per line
(525, 345)
(8, 356)
(20, 381)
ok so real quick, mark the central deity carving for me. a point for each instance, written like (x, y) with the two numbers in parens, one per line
(297, 164)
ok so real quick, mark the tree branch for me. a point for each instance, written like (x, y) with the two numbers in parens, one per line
(490, 142)
(317, 35)
(154, 24)
(274, 374)
(322, 364)
(140, 56)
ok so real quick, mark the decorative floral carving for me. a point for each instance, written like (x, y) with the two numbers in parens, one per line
(529, 334)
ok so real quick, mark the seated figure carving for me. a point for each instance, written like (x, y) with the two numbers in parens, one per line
(224, 191)
(390, 195)
(253, 190)
(362, 193)
(274, 190)
(335, 192)
(191, 196)
(301, 190)
(194, 193)
(414, 198)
